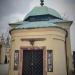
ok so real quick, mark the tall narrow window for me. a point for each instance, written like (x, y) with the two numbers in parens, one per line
(50, 60)
(16, 59)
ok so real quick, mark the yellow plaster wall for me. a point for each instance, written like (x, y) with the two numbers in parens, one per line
(55, 40)
(66, 25)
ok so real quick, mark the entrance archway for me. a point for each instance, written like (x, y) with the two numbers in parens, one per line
(32, 61)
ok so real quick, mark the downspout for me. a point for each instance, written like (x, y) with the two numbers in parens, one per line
(66, 52)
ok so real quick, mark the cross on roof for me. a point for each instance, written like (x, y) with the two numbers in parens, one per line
(42, 2)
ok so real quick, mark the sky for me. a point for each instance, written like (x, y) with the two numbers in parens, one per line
(15, 10)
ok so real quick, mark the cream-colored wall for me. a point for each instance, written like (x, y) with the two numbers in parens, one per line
(69, 53)
(66, 25)
(3, 51)
(55, 40)
(3, 55)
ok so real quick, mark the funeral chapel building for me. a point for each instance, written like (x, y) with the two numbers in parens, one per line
(40, 44)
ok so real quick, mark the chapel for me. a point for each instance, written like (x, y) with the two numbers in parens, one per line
(40, 44)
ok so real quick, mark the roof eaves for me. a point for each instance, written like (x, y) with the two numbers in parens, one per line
(39, 27)
(16, 23)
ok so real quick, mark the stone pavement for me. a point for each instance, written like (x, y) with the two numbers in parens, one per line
(3, 69)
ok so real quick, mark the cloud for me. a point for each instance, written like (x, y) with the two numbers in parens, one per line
(16, 17)
(8, 7)
(14, 10)
(10, 19)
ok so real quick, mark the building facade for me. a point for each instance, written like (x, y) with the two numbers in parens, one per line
(2, 50)
(74, 60)
(40, 44)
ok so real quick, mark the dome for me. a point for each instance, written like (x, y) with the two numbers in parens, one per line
(43, 10)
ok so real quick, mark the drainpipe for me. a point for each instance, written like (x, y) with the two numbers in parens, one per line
(66, 52)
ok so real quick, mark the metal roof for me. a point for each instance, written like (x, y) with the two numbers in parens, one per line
(42, 10)
(36, 24)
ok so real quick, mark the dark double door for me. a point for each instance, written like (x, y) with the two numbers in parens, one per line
(32, 62)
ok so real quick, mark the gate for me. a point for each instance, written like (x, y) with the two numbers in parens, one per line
(32, 62)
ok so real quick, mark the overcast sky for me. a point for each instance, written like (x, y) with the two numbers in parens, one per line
(15, 10)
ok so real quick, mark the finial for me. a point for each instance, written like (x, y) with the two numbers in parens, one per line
(42, 2)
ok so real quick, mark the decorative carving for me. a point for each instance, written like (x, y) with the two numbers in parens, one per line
(32, 40)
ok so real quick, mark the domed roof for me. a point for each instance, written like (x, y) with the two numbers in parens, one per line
(43, 10)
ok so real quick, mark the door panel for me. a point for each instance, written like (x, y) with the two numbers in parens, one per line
(32, 62)
(38, 62)
(27, 69)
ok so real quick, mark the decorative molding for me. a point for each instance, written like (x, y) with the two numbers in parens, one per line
(59, 39)
(30, 48)
(33, 39)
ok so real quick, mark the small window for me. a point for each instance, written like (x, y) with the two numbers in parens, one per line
(50, 60)
(16, 59)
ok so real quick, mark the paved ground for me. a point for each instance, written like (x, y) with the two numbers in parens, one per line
(3, 69)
